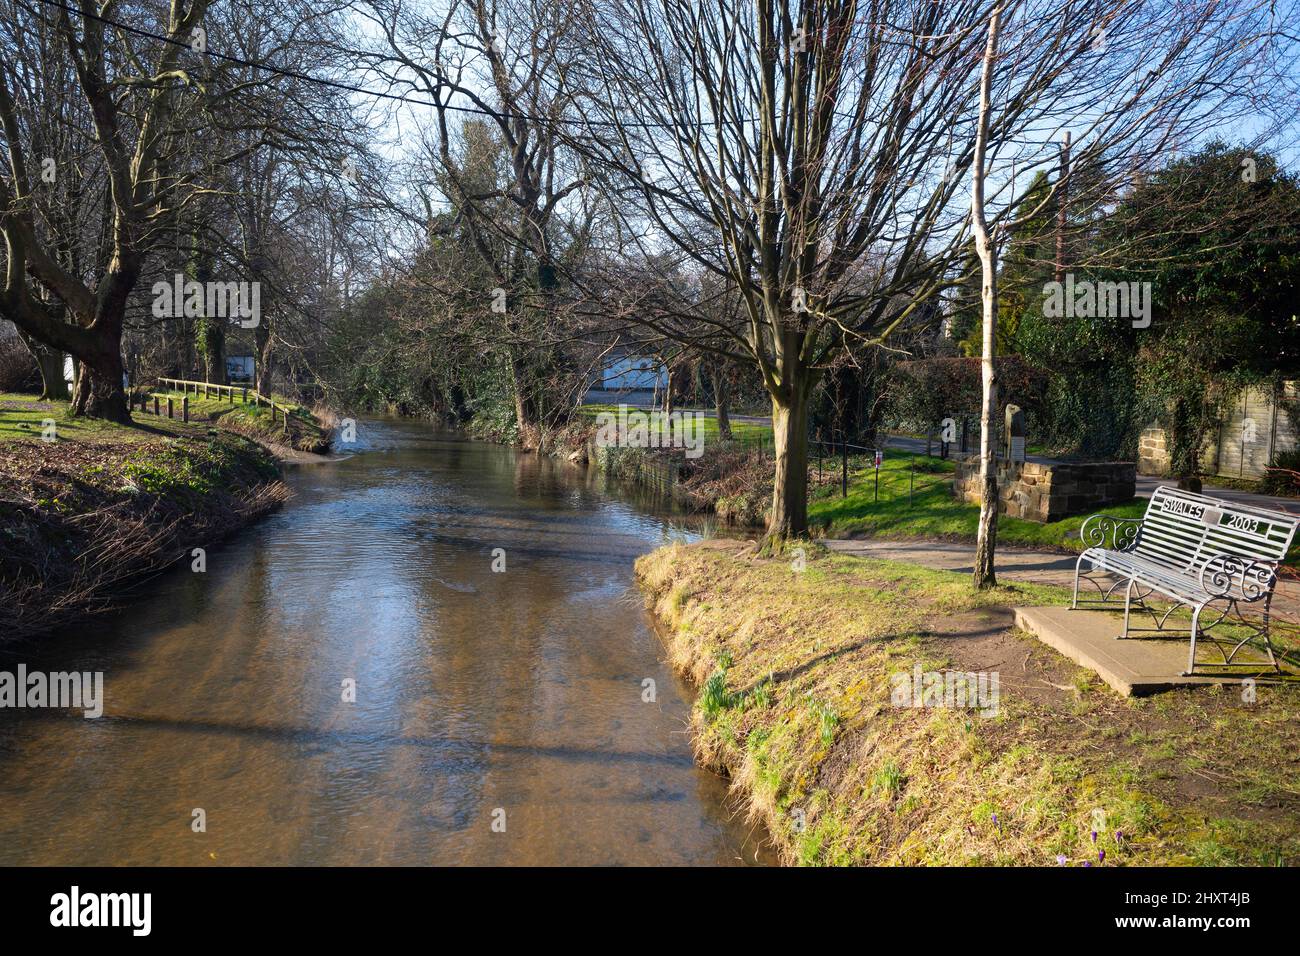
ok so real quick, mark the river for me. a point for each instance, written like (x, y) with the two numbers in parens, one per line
(498, 716)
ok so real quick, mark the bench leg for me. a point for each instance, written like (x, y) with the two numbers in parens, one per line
(1191, 654)
(1268, 643)
(1078, 566)
(1128, 607)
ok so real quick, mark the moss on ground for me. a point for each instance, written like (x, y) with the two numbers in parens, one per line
(796, 671)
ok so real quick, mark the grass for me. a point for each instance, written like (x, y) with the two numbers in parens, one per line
(801, 716)
(253, 420)
(931, 511)
(22, 416)
(750, 433)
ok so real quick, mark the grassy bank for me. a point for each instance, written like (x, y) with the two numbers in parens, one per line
(742, 432)
(797, 704)
(305, 432)
(101, 506)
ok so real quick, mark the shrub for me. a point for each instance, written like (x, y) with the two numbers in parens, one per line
(18, 371)
(1283, 474)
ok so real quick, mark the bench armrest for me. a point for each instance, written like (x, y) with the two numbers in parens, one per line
(1254, 579)
(1107, 531)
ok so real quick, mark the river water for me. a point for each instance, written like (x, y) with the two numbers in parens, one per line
(498, 716)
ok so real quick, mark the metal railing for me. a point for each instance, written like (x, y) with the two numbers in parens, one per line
(840, 449)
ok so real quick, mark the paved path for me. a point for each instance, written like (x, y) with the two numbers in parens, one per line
(1146, 484)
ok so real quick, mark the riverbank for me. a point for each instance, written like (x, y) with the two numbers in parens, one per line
(101, 507)
(302, 430)
(804, 701)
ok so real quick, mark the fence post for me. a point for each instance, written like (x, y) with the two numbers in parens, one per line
(844, 473)
(155, 404)
(170, 408)
(245, 394)
(185, 407)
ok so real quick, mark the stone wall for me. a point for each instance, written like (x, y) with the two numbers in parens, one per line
(1153, 452)
(1050, 491)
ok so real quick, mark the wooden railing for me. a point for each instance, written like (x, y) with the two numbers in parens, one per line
(208, 389)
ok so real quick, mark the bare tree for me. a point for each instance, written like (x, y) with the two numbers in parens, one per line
(988, 523)
(137, 98)
(506, 65)
(813, 154)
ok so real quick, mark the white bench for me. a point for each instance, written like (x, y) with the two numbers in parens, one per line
(1201, 553)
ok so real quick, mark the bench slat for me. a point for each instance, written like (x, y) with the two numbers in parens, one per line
(1175, 529)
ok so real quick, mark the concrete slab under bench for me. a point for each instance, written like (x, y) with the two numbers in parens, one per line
(1134, 667)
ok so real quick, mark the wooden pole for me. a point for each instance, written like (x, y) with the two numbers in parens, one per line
(844, 473)
(170, 408)
(185, 408)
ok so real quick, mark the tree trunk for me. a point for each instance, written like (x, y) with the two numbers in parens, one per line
(722, 401)
(789, 516)
(986, 542)
(54, 387)
(99, 392)
(214, 352)
(263, 342)
(526, 418)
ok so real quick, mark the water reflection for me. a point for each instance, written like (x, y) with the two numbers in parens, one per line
(476, 691)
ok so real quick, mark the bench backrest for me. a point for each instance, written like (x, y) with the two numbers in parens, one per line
(1183, 530)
